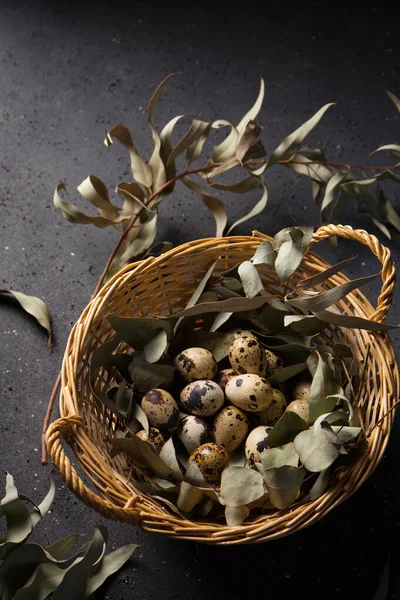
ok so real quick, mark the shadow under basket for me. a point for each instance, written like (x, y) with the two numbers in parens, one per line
(162, 286)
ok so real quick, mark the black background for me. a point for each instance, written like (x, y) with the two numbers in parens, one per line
(67, 73)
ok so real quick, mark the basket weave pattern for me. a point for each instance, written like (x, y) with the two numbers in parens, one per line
(162, 286)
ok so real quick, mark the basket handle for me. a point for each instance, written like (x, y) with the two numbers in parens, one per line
(65, 427)
(379, 250)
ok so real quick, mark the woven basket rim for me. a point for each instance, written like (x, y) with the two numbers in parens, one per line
(71, 425)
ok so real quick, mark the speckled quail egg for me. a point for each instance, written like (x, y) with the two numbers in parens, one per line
(240, 333)
(301, 390)
(273, 412)
(194, 432)
(256, 442)
(154, 438)
(195, 363)
(246, 355)
(202, 398)
(230, 427)
(211, 459)
(161, 409)
(249, 392)
(300, 407)
(274, 363)
(223, 376)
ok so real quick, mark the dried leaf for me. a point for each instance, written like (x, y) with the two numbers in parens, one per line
(144, 452)
(220, 320)
(189, 496)
(74, 215)
(321, 483)
(231, 305)
(215, 206)
(305, 324)
(140, 169)
(324, 300)
(19, 523)
(133, 196)
(240, 486)
(291, 244)
(323, 388)
(382, 593)
(351, 322)
(235, 515)
(155, 348)
(287, 373)
(256, 210)
(195, 131)
(283, 485)
(394, 99)
(264, 255)
(123, 399)
(315, 451)
(332, 192)
(388, 148)
(138, 332)
(241, 187)
(35, 307)
(147, 376)
(138, 413)
(110, 564)
(272, 458)
(286, 429)
(286, 147)
(95, 192)
(168, 456)
(250, 279)
(314, 280)
(194, 150)
(226, 149)
(253, 112)
(61, 548)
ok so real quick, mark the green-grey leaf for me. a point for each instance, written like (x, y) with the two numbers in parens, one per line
(283, 485)
(253, 112)
(140, 169)
(320, 484)
(189, 496)
(323, 388)
(305, 324)
(139, 331)
(35, 307)
(233, 305)
(351, 322)
(382, 593)
(250, 279)
(346, 434)
(147, 376)
(194, 150)
(155, 348)
(286, 147)
(168, 456)
(394, 99)
(264, 255)
(299, 235)
(288, 259)
(227, 148)
(278, 457)
(235, 515)
(61, 548)
(324, 300)
(19, 523)
(195, 131)
(324, 275)
(219, 320)
(19, 567)
(240, 486)
(44, 505)
(315, 451)
(138, 413)
(286, 429)
(110, 564)
(215, 206)
(123, 399)
(256, 210)
(241, 187)
(95, 192)
(133, 196)
(143, 452)
(287, 373)
(74, 215)
(332, 191)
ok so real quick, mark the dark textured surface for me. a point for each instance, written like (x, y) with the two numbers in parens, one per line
(67, 74)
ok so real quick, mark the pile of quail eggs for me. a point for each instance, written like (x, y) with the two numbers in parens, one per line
(219, 412)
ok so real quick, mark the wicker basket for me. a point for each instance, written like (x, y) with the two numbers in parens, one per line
(162, 286)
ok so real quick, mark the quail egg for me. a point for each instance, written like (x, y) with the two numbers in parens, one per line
(241, 333)
(154, 438)
(273, 412)
(211, 459)
(195, 363)
(300, 407)
(246, 355)
(161, 409)
(222, 377)
(256, 442)
(274, 362)
(230, 427)
(202, 398)
(249, 392)
(301, 390)
(193, 432)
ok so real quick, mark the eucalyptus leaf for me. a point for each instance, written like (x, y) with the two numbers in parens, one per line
(95, 192)
(74, 215)
(253, 112)
(19, 567)
(193, 134)
(351, 322)
(240, 486)
(314, 280)
(233, 305)
(140, 169)
(322, 390)
(35, 307)
(286, 147)
(194, 150)
(19, 523)
(279, 456)
(264, 255)
(320, 484)
(189, 496)
(315, 451)
(168, 456)
(250, 279)
(138, 413)
(287, 373)
(43, 507)
(146, 376)
(213, 204)
(241, 187)
(288, 259)
(232, 284)
(227, 148)
(305, 324)
(109, 564)
(123, 399)
(324, 300)
(155, 348)
(256, 210)
(133, 196)
(394, 99)
(286, 429)
(61, 548)
(144, 452)
(235, 515)
(346, 434)
(283, 485)
(138, 332)
(332, 191)
(220, 320)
